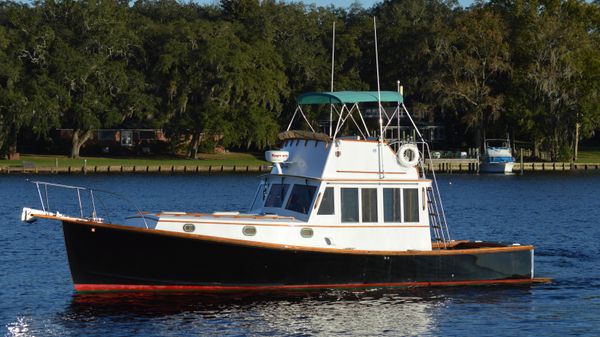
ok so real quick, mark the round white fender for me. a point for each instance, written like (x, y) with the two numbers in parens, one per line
(408, 155)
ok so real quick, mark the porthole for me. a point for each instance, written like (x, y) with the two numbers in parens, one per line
(188, 228)
(306, 232)
(249, 230)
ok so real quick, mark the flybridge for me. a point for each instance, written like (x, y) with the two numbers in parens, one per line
(344, 107)
(364, 158)
(349, 97)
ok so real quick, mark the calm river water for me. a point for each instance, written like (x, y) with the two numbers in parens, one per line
(559, 214)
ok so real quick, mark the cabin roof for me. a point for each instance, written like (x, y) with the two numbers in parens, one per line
(343, 97)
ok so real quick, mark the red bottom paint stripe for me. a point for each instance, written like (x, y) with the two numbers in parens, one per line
(213, 288)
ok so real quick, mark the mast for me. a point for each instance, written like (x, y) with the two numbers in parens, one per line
(378, 87)
(380, 143)
(401, 92)
(332, 69)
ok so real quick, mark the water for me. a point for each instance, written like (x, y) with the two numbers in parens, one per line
(557, 213)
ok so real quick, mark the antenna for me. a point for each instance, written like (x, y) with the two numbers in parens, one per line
(378, 87)
(332, 55)
(401, 92)
(380, 143)
(332, 69)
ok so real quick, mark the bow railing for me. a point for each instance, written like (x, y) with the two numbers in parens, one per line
(87, 203)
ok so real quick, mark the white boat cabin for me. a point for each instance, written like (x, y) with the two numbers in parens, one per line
(329, 192)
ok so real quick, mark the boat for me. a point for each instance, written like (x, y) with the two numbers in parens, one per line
(497, 156)
(343, 208)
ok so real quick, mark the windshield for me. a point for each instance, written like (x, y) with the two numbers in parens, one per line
(276, 195)
(301, 198)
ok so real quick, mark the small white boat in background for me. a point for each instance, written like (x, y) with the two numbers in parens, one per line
(497, 156)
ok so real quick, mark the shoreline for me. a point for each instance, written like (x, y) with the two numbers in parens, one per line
(467, 166)
(142, 169)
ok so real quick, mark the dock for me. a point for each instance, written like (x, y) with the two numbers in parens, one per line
(439, 165)
(472, 166)
(167, 169)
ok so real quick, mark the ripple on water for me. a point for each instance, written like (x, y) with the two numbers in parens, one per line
(553, 212)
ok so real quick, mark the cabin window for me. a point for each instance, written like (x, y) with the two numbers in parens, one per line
(411, 204)
(276, 195)
(391, 205)
(349, 204)
(369, 204)
(327, 203)
(301, 198)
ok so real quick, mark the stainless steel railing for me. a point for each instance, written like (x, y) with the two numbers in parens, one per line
(94, 195)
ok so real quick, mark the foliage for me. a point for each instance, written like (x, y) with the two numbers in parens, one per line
(228, 74)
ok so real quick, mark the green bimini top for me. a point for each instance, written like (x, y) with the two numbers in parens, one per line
(344, 97)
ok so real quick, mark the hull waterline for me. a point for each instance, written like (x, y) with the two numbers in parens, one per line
(496, 167)
(117, 258)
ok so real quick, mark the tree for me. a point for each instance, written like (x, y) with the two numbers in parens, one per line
(477, 56)
(89, 59)
(27, 95)
(555, 58)
(413, 36)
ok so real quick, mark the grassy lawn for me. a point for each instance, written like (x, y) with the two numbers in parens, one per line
(229, 159)
(589, 155)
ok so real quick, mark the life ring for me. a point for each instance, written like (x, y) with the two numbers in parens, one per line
(408, 155)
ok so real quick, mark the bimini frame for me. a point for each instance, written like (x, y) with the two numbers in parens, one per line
(346, 103)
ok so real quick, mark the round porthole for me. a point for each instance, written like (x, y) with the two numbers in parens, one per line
(249, 230)
(188, 228)
(306, 232)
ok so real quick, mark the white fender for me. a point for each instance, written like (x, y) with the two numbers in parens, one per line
(408, 155)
